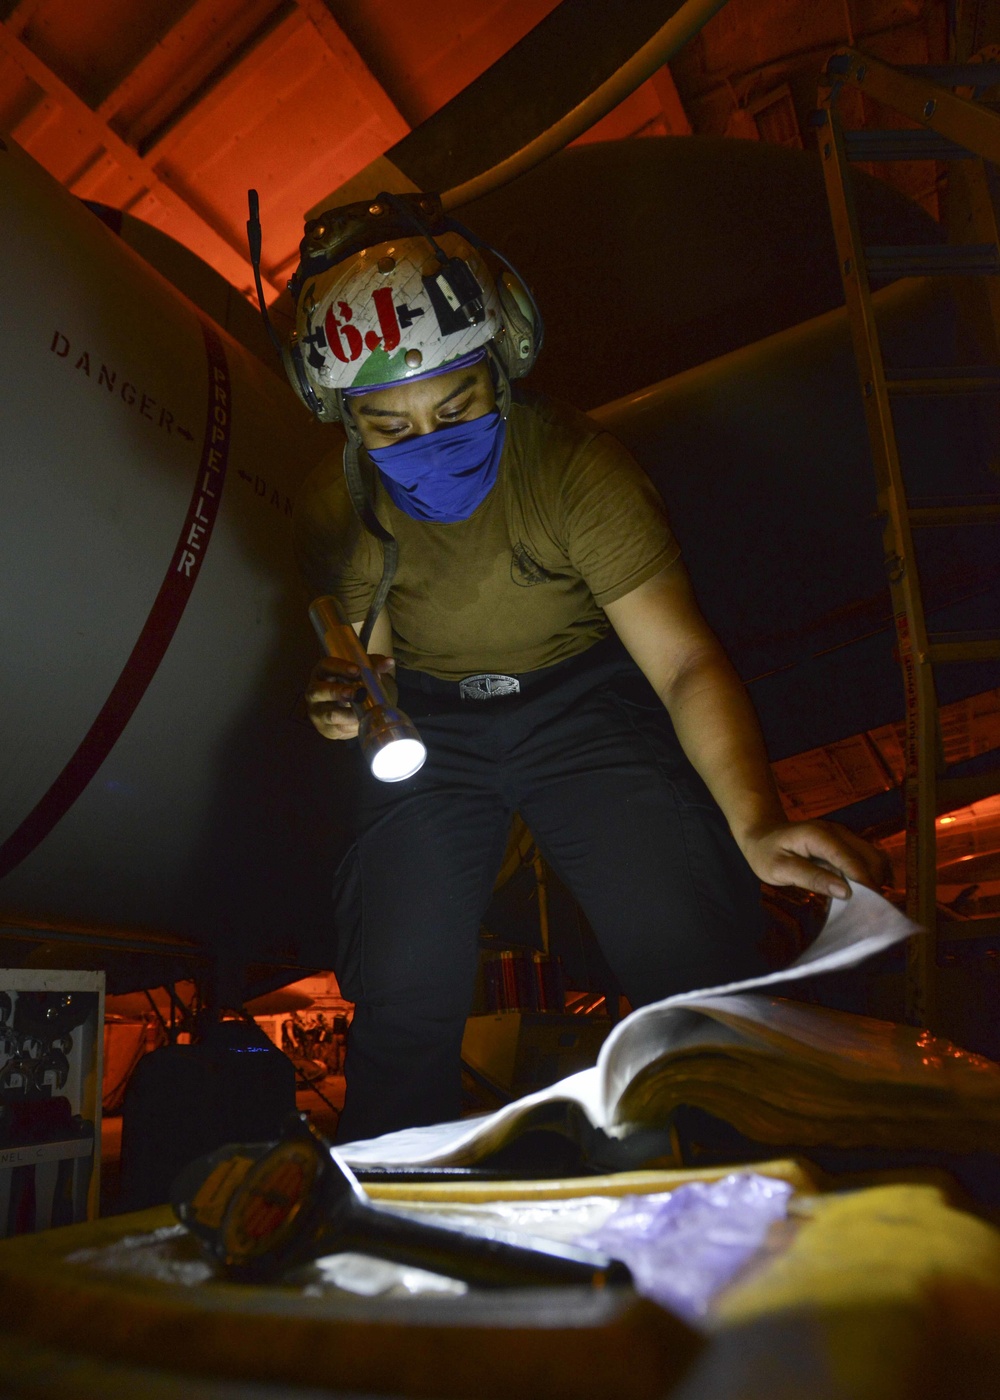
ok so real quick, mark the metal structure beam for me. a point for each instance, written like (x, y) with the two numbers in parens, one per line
(208, 25)
(368, 86)
(140, 175)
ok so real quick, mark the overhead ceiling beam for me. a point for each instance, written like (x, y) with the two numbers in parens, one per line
(211, 27)
(202, 106)
(140, 175)
(192, 97)
(357, 70)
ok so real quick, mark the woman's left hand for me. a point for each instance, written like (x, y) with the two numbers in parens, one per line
(798, 853)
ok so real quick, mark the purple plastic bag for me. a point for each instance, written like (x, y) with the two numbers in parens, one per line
(685, 1245)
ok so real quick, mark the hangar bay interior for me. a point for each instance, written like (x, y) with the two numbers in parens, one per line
(763, 236)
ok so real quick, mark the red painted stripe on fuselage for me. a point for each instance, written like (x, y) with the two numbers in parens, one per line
(159, 628)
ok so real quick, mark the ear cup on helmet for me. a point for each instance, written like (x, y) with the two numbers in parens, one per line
(325, 409)
(520, 342)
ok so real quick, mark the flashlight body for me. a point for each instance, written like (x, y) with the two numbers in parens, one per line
(388, 737)
(261, 1209)
(340, 640)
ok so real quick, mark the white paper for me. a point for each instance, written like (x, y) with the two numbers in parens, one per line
(441, 1142)
(855, 929)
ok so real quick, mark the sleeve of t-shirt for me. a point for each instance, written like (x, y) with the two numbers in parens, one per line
(335, 553)
(616, 529)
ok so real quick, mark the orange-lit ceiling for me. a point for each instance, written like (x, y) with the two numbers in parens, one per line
(170, 109)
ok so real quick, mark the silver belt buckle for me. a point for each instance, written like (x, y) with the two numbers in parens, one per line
(488, 686)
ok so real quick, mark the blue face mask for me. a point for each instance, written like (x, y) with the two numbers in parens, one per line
(443, 476)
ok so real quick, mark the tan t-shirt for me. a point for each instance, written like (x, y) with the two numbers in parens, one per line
(573, 523)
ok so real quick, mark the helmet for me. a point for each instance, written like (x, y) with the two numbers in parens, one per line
(390, 290)
(390, 313)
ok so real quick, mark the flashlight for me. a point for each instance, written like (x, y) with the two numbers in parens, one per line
(389, 739)
(263, 1208)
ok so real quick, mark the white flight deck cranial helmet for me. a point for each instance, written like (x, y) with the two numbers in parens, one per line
(387, 292)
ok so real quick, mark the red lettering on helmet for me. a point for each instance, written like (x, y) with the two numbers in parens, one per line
(344, 340)
(387, 319)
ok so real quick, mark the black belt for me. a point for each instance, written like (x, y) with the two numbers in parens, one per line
(484, 686)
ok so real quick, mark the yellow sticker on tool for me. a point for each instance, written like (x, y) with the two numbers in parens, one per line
(216, 1191)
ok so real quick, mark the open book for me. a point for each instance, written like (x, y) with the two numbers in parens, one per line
(780, 1072)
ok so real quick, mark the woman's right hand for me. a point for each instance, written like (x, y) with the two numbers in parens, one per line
(332, 686)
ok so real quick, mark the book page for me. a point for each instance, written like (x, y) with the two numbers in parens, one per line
(443, 1144)
(855, 929)
(857, 1048)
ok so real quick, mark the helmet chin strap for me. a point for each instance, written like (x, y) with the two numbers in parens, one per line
(359, 476)
(362, 500)
(501, 383)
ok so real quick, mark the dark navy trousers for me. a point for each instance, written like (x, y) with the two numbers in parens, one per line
(588, 756)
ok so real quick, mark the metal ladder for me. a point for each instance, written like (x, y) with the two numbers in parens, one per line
(951, 128)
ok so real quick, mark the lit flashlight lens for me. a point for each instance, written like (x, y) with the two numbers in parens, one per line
(398, 760)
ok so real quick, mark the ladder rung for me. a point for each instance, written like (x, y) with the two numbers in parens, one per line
(927, 517)
(960, 792)
(950, 379)
(934, 260)
(902, 144)
(987, 927)
(943, 652)
(973, 75)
